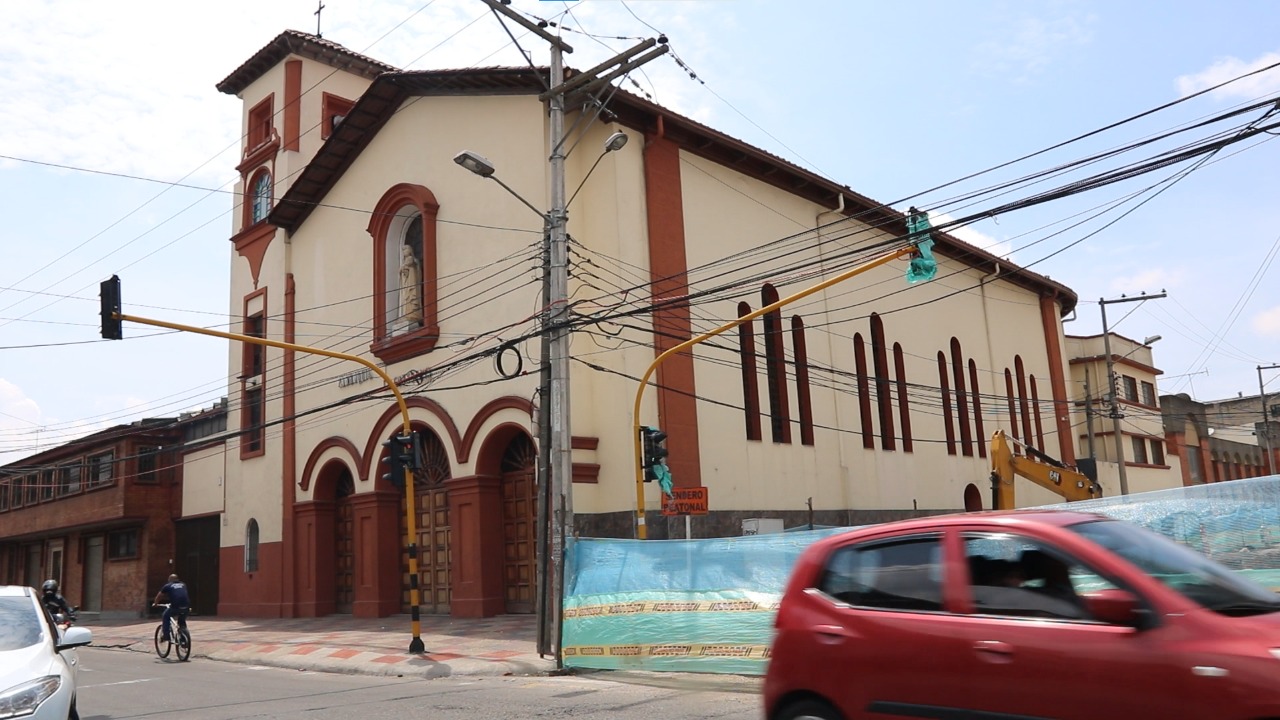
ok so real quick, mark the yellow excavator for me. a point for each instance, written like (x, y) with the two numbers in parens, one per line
(1048, 473)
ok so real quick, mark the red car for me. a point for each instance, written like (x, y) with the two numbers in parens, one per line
(1019, 615)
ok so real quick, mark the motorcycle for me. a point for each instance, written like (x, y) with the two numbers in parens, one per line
(65, 620)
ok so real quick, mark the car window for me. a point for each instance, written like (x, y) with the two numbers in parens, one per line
(896, 575)
(1013, 575)
(1185, 571)
(19, 623)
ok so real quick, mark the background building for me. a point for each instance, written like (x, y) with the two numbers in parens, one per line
(1218, 440)
(1137, 400)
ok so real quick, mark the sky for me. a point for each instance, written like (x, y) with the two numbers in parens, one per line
(117, 154)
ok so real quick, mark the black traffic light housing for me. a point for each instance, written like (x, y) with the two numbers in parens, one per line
(654, 453)
(109, 301)
(402, 453)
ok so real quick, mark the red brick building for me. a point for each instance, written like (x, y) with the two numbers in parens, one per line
(97, 515)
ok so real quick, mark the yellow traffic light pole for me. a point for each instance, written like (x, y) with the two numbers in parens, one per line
(415, 645)
(641, 530)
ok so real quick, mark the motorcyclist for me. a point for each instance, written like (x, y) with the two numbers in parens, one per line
(53, 601)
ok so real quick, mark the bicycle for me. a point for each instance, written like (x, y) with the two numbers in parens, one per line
(183, 639)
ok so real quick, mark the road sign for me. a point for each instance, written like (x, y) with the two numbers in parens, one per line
(686, 501)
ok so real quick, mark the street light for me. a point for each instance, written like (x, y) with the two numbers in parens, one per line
(555, 437)
(615, 142)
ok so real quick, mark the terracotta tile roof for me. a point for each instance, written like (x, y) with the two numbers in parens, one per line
(304, 45)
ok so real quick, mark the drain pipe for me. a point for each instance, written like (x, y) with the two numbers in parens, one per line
(831, 350)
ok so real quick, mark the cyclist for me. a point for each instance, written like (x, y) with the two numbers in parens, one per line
(53, 602)
(179, 603)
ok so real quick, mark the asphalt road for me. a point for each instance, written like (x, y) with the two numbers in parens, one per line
(121, 684)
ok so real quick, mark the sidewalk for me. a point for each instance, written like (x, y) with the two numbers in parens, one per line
(502, 645)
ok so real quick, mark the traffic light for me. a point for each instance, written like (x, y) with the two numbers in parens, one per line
(402, 453)
(654, 452)
(109, 301)
(655, 458)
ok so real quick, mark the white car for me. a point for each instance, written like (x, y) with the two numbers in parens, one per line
(38, 663)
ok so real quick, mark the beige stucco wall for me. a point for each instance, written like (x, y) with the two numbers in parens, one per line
(482, 230)
(203, 481)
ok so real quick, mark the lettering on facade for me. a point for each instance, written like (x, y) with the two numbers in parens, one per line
(355, 378)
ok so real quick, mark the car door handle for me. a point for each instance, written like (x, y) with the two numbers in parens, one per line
(994, 647)
(831, 634)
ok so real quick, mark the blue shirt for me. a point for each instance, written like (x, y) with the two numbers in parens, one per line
(177, 593)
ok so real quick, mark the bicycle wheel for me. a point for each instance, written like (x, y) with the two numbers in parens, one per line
(184, 644)
(162, 645)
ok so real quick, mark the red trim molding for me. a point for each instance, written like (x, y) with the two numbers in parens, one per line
(252, 244)
(395, 348)
(491, 408)
(309, 468)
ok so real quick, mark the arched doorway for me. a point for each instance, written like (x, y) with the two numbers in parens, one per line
(431, 500)
(519, 510)
(344, 538)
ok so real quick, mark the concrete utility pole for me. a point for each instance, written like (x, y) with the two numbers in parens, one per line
(1265, 430)
(560, 464)
(1115, 413)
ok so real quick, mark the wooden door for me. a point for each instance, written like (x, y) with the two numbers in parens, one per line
(519, 510)
(344, 544)
(431, 500)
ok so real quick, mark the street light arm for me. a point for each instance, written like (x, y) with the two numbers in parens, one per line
(517, 196)
(584, 180)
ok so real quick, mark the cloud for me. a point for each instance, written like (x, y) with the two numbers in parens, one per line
(1150, 280)
(20, 420)
(1267, 322)
(1224, 69)
(1030, 44)
(975, 237)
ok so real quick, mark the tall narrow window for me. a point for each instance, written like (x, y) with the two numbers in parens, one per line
(1035, 404)
(253, 410)
(147, 464)
(904, 402)
(251, 546)
(261, 196)
(864, 392)
(33, 482)
(945, 388)
(68, 481)
(1021, 373)
(101, 470)
(750, 381)
(776, 369)
(884, 396)
(981, 433)
(1012, 396)
(804, 402)
(4, 495)
(48, 483)
(1139, 445)
(962, 400)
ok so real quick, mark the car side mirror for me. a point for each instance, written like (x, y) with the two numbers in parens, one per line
(75, 637)
(1115, 606)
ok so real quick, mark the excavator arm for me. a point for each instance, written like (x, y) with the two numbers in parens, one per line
(1049, 473)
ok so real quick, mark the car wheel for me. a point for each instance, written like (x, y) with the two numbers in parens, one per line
(809, 710)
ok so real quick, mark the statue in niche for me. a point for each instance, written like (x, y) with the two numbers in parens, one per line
(410, 288)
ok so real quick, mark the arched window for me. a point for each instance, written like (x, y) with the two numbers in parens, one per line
(864, 392)
(750, 381)
(261, 197)
(251, 546)
(804, 403)
(884, 399)
(403, 228)
(1021, 372)
(962, 401)
(981, 434)
(948, 420)
(1013, 409)
(904, 403)
(775, 362)
(1035, 404)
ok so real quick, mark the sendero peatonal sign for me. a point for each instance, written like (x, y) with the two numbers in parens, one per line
(686, 501)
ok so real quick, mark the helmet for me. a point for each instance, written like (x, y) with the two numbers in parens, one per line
(50, 586)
